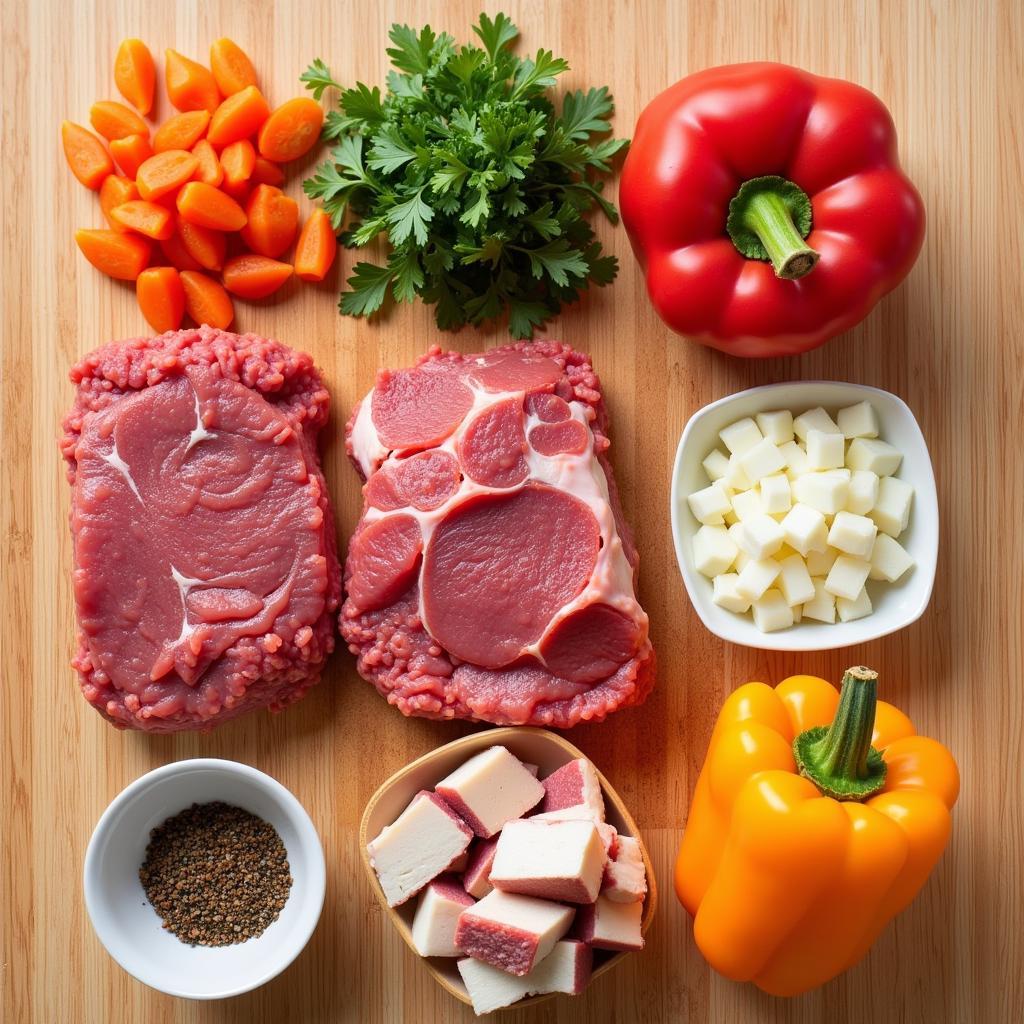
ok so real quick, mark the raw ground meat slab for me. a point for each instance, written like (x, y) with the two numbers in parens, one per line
(206, 578)
(491, 575)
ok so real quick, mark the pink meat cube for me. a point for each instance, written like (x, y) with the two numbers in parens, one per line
(437, 914)
(477, 877)
(512, 932)
(610, 925)
(625, 880)
(573, 791)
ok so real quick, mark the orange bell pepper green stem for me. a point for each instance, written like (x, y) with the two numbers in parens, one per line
(816, 819)
(767, 207)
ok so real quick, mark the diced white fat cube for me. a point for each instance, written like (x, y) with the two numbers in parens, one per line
(863, 492)
(819, 562)
(858, 420)
(777, 425)
(713, 550)
(825, 451)
(823, 606)
(716, 465)
(804, 529)
(796, 459)
(735, 479)
(746, 504)
(826, 491)
(853, 535)
(891, 512)
(797, 612)
(425, 838)
(877, 456)
(625, 880)
(814, 419)
(742, 558)
(610, 925)
(757, 576)
(491, 788)
(512, 932)
(772, 612)
(759, 536)
(437, 913)
(710, 504)
(776, 494)
(855, 609)
(847, 576)
(889, 559)
(476, 879)
(573, 791)
(727, 596)
(741, 436)
(795, 581)
(762, 460)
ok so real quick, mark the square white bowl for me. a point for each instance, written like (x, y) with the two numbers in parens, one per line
(895, 604)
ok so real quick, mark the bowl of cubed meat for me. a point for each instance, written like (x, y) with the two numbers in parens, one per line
(507, 861)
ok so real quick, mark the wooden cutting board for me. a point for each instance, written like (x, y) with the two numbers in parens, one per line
(948, 341)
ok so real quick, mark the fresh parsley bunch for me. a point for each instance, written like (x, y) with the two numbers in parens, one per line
(479, 184)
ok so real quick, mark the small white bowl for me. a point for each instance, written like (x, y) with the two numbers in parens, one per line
(128, 926)
(895, 604)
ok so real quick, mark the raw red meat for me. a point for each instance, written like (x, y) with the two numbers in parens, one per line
(491, 575)
(206, 576)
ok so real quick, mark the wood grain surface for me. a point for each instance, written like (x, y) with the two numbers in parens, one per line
(948, 341)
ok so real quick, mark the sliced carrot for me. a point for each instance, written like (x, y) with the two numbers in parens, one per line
(89, 161)
(239, 116)
(190, 86)
(209, 207)
(131, 153)
(182, 131)
(254, 277)
(291, 130)
(123, 256)
(206, 246)
(206, 300)
(273, 219)
(266, 172)
(316, 248)
(239, 190)
(161, 298)
(165, 172)
(114, 191)
(147, 219)
(238, 161)
(231, 67)
(177, 255)
(135, 74)
(210, 169)
(114, 120)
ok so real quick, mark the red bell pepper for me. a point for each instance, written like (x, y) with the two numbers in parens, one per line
(768, 207)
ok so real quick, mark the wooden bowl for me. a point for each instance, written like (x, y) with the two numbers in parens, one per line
(534, 746)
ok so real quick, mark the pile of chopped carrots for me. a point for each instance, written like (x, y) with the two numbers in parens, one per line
(201, 196)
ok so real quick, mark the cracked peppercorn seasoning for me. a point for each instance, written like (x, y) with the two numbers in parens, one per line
(216, 874)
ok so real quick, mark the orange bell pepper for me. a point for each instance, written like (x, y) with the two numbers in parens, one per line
(816, 819)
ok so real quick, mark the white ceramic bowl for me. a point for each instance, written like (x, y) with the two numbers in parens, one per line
(895, 604)
(128, 926)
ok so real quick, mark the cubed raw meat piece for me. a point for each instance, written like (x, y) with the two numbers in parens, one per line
(553, 860)
(437, 914)
(573, 791)
(625, 880)
(512, 932)
(610, 925)
(425, 838)
(476, 878)
(489, 789)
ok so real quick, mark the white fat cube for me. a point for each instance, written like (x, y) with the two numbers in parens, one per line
(796, 459)
(710, 504)
(819, 562)
(726, 595)
(437, 915)
(878, 456)
(759, 536)
(607, 924)
(853, 535)
(762, 460)
(777, 425)
(746, 504)
(625, 878)
(798, 612)
(735, 479)
(822, 607)
(772, 613)
(847, 577)
(814, 419)
(825, 451)
(855, 609)
(892, 509)
(858, 420)
(716, 465)
(713, 550)
(826, 491)
(795, 581)
(889, 560)
(804, 529)
(756, 577)
(741, 560)
(776, 494)
(863, 492)
(741, 436)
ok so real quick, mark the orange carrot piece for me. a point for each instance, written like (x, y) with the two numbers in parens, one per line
(238, 161)
(238, 117)
(273, 219)
(239, 191)
(182, 131)
(266, 172)
(209, 207)
(291, 130)
(87, 157)
(165, 172)
(190, 86)
(114, 120)
(206, 246)
(161, 298)
(206, 300)
(114, 191)
(135, 74)
(123, 256)
(210, 169)
(177, 255)
(131, 153)
(316, 248)
(231, 67)
(147, 219)
(254, 277)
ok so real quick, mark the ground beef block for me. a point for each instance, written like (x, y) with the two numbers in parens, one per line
(206, 577)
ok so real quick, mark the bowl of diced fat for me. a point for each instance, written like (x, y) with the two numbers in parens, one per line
(895, 605)
(548, 751)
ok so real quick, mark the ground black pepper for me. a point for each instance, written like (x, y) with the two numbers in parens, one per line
(216, 874)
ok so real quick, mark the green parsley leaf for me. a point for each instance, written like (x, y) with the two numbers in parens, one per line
(410, 218)
(318, 78)
(369, 284)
